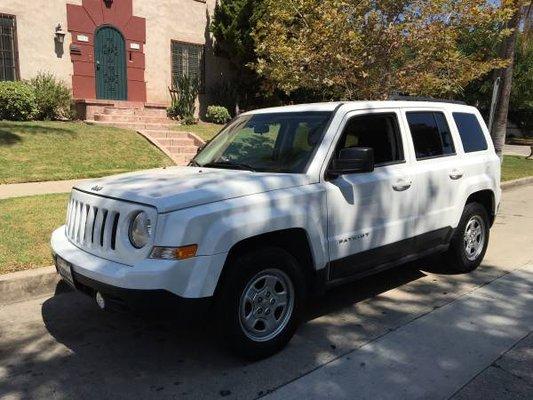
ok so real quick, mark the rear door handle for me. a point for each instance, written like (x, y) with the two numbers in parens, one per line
(456, 174)
(402, 185)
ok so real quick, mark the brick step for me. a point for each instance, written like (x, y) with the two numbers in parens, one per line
(131, 118)
(182, 159)
(182, 149)
(168, 134)
(149, 112)
(118, 111)
(175, 142)
(134, 125)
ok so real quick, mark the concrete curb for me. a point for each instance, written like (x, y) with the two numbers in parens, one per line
(24, 285)
(516, 183)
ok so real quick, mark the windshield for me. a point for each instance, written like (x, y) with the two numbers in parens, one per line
(274, 142)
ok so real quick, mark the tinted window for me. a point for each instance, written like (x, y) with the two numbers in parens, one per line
(378, 131)
(470, 131)
(431, 134)
(269, 142)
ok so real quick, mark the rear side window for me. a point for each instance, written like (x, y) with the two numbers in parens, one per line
(378, 131)
(431, 134)
(470, 131)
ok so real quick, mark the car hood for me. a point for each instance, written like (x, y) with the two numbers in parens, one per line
(175, 188)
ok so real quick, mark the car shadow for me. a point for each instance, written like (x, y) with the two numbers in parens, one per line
(84, 352)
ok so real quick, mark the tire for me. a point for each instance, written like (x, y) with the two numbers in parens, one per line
(466, 253)
(249, 304)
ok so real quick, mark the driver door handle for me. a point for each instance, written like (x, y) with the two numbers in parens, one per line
(401, 185)
(456, 174)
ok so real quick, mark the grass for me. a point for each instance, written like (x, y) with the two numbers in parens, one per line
(26, 224)
(515, 167)
(46, 151)
(205, 130)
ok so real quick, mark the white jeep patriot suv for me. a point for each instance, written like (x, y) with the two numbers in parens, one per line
(283, 203)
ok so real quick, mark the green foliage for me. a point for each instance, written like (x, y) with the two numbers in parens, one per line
(224, 93)
(189, 120)
(521, 103)
(341, 49)
(479, 92)
(217, 114)
(17, 101)
(52, 96)
(183, 96)
(232, 26)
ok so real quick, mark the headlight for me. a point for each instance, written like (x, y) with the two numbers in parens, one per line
(140, 230)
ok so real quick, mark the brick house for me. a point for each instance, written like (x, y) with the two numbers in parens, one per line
(111, 50)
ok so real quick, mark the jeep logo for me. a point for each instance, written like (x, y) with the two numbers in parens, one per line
(97, 188)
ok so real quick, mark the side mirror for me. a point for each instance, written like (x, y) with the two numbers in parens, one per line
(353, 160)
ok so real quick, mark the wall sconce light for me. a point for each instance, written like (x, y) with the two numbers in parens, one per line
(60, 34)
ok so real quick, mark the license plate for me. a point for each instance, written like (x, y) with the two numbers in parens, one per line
(65, 270)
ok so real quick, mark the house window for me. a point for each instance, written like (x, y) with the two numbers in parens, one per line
(8, 48)
(188, 60)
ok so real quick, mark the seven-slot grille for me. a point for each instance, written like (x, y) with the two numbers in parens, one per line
(91, 226)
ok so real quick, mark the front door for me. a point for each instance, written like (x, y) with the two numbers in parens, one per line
(371, 215)
(110, 59)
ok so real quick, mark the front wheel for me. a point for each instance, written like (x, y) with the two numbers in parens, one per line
(470, 241)
(260, 302)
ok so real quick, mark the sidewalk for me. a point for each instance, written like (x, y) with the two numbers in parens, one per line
(35, 188)
(455, 350)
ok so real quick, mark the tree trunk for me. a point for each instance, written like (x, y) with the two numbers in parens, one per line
(499, 126)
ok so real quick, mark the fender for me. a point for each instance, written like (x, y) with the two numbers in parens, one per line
(217, 227)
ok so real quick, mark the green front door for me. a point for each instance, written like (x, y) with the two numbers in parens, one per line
(110, 59)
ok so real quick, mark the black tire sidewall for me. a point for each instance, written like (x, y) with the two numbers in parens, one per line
(241, 270)
(457, 255)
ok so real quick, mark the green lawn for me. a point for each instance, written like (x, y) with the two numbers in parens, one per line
(515, 167)
(205, 130)
(26, 224)
(45, 151)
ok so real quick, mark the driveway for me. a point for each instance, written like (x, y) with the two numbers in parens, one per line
(62, 346)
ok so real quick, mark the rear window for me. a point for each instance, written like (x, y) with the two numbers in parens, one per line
(431, 134)
(470, 131)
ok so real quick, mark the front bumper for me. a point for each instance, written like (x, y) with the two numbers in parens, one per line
(194, 278)
(120, 299)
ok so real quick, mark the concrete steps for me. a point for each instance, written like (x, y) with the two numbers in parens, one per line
(153, 124)
(181, 147)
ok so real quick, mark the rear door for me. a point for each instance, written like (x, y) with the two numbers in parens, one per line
(437, 172)
(370, 214)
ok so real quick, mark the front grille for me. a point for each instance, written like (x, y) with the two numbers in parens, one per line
(91, 226)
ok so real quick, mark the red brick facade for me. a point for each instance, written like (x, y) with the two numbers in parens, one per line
(83, 21)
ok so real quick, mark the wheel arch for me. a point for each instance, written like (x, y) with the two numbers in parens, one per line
(487, 199)
(295, 241)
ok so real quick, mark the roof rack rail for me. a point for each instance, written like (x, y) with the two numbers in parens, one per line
(396, 97)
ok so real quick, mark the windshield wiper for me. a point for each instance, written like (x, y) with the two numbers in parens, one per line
(194, 163)
(229, 164)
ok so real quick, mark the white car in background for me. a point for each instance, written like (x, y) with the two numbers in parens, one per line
(282, 203)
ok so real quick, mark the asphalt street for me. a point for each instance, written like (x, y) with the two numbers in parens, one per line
(62, 346)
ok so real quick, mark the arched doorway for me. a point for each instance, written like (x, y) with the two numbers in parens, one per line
(110, 60)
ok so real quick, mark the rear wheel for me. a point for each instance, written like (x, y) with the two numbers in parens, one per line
(260, 302)
(470, 241)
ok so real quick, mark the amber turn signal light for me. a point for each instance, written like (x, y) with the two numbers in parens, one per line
(174, 253)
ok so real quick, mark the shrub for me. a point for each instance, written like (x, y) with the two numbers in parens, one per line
(52, 96)
(17, 101)
(183, 96)
(189, 120)
(217, 114)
